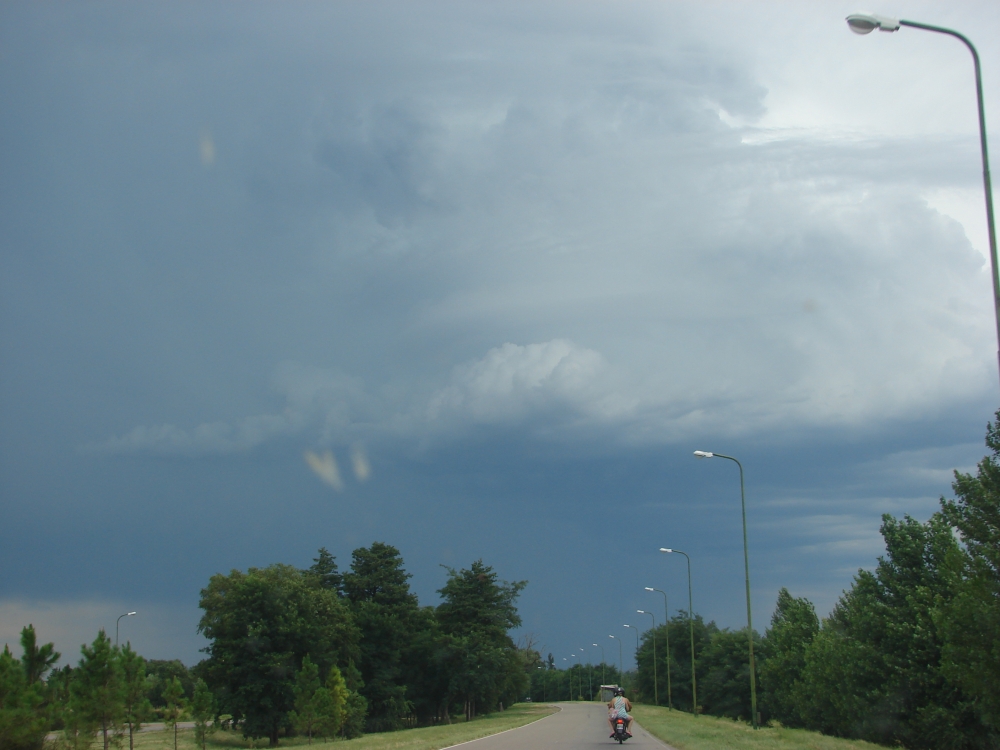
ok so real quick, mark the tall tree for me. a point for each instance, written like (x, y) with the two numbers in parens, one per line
(135, 691)
(386, 613)
(261, 624)
(98, 694)
(970, 621)
(173, 694)
(724, 680)
(794, 624)
(308, 706)
(324, 568)
(36, 660)
(477, 612)
(22, 723)
(874, 670)
(202, 711)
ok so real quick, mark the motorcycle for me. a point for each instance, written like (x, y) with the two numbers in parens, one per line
(621, 732)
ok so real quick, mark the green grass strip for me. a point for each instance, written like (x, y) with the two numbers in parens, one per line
(685, 732)
(424, 738)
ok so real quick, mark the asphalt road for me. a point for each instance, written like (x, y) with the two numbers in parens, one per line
(577, 726)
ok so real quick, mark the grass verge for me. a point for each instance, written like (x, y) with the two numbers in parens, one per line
(685, 732)
(425, 738)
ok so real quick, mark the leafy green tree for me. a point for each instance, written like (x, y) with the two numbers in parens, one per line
(97, 690)
(137, 707)
(161, 672)
(202, 711)
(335, 714)
(970, 621)
(874, 671)
(724, 682)
(680, 660)
(794, 624)
(477, 612)
(261, 624)
(386, 612)
(173, 695)
(22, 722)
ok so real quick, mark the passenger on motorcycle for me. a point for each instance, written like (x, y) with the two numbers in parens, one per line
(619, 705)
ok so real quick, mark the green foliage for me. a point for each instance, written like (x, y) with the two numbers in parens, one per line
(970, 620)
(386, 613)
(261, 624)
(794, 625)
(202, 711)
(173, 695)
(161, 672)
(22, 724)
(324, 570)
(97, 694)
(724, 683)
(679, 632)
(136, 704)
(482, 661)
(36, 660)
(875, 671)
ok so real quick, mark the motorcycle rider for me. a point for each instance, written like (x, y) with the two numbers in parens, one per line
(619, 705)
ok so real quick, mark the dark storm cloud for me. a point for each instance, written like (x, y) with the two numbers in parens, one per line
(524, 259)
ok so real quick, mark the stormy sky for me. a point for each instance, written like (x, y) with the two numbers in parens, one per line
(475, 279)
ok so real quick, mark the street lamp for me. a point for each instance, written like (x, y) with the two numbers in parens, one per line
(590, 675)
(656, 688)
(127, 614)
(746, 568)
(666, 614)
(621, 670)
(865, 23)
(636, 650)
(604, 676)
(694, 682)
(579, 678)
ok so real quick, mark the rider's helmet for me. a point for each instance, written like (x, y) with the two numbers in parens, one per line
(619, 691)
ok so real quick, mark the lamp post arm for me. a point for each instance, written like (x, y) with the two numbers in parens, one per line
(987, 185)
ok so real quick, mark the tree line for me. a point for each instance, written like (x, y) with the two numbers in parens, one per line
(910, 654)
(313, 652)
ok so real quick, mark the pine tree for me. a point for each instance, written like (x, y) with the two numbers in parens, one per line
(98, 695)
(202, 711)
(36, 660)
(173, 694)
(306, 714)
(22, 723)
(136, 689)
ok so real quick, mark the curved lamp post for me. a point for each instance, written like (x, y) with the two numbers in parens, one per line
(604, 676)
(590, 675)
(666, 613)
(865, 23)
(127, 614)
(746, 568)
(632, 627)
(621, 670)
(656, 689)
(694, 681)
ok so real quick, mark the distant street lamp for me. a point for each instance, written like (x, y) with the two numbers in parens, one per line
(127, 614)
(590, 675)
(746, 568)
(604, 676)
(656, 688)
(621, 669)
(666, 614)
(865, 23)
(631, 627)
(694, 682)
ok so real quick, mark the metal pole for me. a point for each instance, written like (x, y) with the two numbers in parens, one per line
(666, 614)
(694, 682)
(656, 688)
(987, 187)
(746, 568)
(127, 614)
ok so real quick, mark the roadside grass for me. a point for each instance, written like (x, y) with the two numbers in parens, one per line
(424, 738)
(685, 732)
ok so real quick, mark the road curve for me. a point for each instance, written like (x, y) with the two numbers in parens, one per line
(576, 726)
